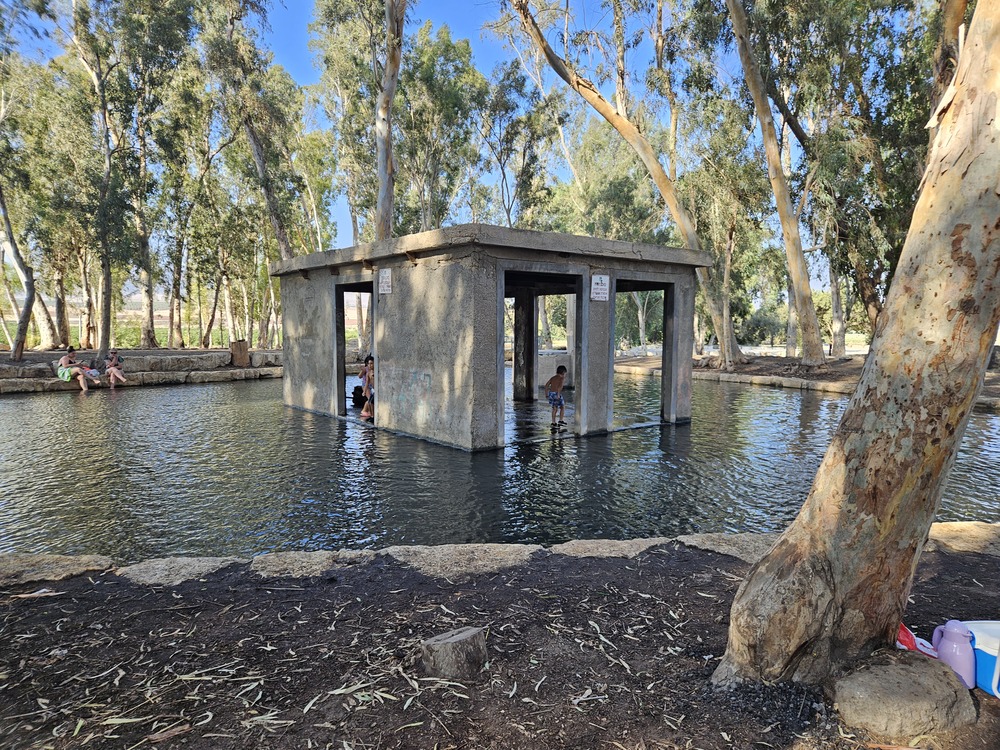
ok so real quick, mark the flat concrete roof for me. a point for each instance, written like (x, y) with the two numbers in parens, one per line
(447, 239)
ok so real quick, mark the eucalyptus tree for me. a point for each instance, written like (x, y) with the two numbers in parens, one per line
(728, 195)
(243, 69)
(347, 41)
(798, 269)
(196, 136)
(58, 198)
(835, 584)
(395, 17)
(627, 114)
(14, 19)
(440, 94)
(516, 126)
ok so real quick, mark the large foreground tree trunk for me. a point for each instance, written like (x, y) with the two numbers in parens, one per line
(835, 585)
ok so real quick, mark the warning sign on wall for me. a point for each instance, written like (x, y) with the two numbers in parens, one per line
(385, 281)
(600, 288)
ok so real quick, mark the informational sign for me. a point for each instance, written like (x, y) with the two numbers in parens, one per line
(385, 281)
(600, 288)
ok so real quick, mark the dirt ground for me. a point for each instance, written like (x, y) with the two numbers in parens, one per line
(583, 653)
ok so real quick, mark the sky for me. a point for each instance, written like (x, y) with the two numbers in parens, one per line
(290, 19)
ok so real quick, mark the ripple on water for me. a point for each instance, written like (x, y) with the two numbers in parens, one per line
(227, 469)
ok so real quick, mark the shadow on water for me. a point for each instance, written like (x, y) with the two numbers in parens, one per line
(226, 469)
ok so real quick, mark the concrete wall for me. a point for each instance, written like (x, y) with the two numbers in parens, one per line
(308, 343)
(435, 352)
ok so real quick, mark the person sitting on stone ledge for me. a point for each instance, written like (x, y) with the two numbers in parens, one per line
(114, 368)
(68, 368)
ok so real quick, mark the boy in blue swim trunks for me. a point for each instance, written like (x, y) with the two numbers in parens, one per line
(554, 388)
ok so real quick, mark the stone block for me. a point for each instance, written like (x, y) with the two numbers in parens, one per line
(903, 695)
(240, 350)
(211, 376)
(172, 571)
(266, 358)
(161, 378)
(455, 655)
(25, 568)
(28, 385)
(270, 372)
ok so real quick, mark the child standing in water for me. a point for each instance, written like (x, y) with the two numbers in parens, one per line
(554, 388)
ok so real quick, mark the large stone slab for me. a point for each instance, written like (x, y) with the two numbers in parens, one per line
(27, 370)
(24, 568)
(606, 547)
(747, 547)
(171, 571)
(966, 536)
(29, 385)
(455, 560)
(306, 564)
(903, 695)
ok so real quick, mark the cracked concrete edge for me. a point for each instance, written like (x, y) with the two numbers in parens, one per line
(442, 561)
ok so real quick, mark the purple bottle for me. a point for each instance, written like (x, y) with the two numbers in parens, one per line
(953, 642)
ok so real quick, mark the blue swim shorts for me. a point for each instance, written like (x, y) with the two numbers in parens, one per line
(555, 399)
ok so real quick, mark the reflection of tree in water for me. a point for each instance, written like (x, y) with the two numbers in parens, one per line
(227, 469)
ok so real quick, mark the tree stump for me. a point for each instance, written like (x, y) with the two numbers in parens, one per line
(455, 655)
(240, 353)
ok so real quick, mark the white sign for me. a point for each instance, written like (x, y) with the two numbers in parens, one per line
(600, 288)
(385, 281)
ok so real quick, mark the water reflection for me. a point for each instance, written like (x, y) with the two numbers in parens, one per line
(227, 469)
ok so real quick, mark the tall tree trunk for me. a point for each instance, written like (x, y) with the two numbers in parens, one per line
(62, 312)
(543, 321)
(87, 328)
(27, 276)
(48, 335)
(359, 312)
(227, 308)
(727, 317)
(395, 12)
(838, 334)
(267, 188)
(835, 585)
(792, 325)
(206, 339)
(812, 340)
(643, 149)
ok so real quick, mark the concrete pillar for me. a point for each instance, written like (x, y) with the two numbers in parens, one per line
(571, 335)
(339, 355)
(525, 344)
(594, 386)
(678, 343)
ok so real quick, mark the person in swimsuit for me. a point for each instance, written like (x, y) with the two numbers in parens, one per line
(68, 368)
(367, 376)
(554, 389)
(114, 368)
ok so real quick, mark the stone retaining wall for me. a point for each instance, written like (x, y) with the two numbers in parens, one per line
(147, 369)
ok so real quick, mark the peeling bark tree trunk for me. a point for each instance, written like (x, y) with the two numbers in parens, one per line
(395, 12)
(47, 332)
(838, 336)
(835, 585)
(798, 270)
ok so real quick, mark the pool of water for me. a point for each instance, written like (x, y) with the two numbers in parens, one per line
(226, 469)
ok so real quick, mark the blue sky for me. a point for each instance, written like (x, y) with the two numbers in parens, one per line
(289, 36)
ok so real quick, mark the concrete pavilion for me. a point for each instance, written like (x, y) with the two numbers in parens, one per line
(438, 326)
